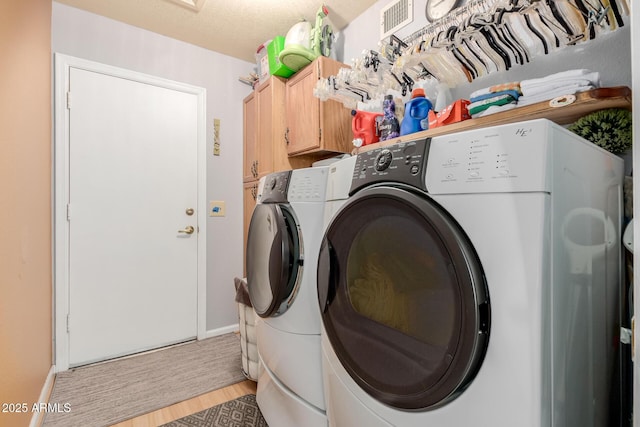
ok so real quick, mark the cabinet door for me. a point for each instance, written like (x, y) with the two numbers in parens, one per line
(335, 119)
(249, 198)
(303, 111)
(250, 156)
(268, 99)
(314, 126)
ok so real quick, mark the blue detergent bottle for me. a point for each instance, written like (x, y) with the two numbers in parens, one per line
(416, 113)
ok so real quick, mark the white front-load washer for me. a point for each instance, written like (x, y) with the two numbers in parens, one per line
(283, 241)
(338, 186)
(472, 280)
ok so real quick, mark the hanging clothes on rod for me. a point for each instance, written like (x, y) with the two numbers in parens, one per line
(475, 40)
(486, 36)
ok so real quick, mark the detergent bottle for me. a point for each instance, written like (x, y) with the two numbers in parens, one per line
(389, 124)
(416, 113)
(364, 127)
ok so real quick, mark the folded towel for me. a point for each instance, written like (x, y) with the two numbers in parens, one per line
(563, 75)
(514, 93)
(532, 99)
(477, 107)
(556, 81)
(559, 85)
(495, 109)
(496, 88)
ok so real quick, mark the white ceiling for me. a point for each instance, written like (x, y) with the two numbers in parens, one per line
(232, 27)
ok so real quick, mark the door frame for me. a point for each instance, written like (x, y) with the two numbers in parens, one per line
(60, 191)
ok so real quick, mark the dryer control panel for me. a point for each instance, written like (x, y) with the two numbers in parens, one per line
(275, 187)
(506, 158)
(403, 162)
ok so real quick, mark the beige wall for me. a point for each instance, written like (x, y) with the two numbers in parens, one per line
(25, 203)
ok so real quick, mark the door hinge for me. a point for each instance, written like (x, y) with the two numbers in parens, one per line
(68, 212)
(320, 134)
(68, 321)
(68, 100)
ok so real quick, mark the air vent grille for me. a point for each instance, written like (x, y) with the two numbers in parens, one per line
(395, 16)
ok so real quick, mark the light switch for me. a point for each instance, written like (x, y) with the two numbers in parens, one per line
(216, 208)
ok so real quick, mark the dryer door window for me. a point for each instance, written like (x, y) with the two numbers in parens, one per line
(273, 258)
(403, 298)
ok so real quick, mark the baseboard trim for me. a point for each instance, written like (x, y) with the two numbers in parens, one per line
(45, 394)
(221, 331)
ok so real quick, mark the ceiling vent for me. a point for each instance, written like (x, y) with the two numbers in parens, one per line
(394, 16)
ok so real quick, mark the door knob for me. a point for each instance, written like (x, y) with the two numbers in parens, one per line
(187, 230)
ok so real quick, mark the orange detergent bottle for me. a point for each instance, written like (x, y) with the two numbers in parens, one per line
(365, 128)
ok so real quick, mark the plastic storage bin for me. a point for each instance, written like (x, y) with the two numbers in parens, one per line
(276, 67)
(262, 60)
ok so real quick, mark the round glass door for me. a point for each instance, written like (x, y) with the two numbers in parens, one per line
(403, 298)
(273, 258)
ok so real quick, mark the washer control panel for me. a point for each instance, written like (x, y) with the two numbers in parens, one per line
(403, 162)
(308, 184)
(275, 187)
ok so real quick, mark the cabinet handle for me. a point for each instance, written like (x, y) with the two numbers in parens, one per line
(254, 192)
(286, 136)
(257, 168)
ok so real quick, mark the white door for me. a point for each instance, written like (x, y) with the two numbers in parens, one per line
(133, 196)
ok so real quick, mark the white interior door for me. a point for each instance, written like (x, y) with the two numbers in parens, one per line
(132, 195)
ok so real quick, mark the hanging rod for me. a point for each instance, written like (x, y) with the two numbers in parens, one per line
(473, 6)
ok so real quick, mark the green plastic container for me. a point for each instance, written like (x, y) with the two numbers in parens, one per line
(276, 67)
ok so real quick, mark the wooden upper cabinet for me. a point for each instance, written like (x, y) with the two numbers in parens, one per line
(265, 148)
(250, 152)
(312, 125)
(270, 104)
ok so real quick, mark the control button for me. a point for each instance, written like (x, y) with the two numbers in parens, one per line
(415, 169)
(451, 160)
(383, 160)
(504, 172)
(449, 176)
(474, 174)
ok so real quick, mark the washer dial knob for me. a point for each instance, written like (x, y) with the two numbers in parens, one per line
(383, 160)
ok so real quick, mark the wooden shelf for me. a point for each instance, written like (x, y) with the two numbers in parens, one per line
(585, 103)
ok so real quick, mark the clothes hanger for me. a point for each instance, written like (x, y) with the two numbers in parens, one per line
(520, 27)
(482, 23)
(507, 37)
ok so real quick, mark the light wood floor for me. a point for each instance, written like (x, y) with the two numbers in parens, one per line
(197, 404)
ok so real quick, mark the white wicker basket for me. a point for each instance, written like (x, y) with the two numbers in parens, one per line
(247, 326)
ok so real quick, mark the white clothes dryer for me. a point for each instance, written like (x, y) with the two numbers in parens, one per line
(472, 280)
(283, 240)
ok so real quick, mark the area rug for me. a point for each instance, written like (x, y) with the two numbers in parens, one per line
(107, 393)
(240, 412)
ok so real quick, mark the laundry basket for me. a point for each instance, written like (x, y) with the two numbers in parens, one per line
(247, 324)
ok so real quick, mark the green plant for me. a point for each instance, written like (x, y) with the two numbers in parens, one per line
(609, 129)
